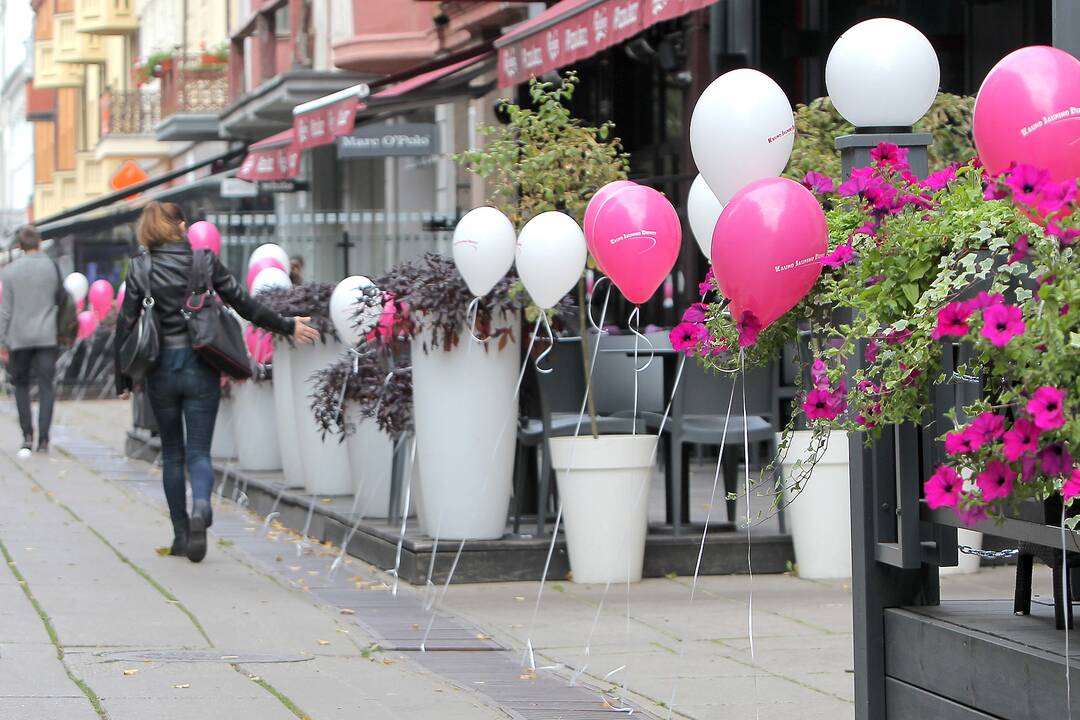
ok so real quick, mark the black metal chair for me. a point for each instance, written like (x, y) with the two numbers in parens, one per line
(561, 393)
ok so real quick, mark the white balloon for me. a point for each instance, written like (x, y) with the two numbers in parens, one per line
(269, 250)
(742, 130)
(882, 73)
(483, 250)
(269, 278)
(550, 257)
(77, 286)
(703, 210)
(347, 298)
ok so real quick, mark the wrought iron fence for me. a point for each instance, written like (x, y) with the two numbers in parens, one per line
(130, 112)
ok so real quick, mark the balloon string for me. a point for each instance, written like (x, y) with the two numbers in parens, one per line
(704, 535)
(437, 602)
(588, 640)
(1067, 601)
(404, 517)
(550, 347)
(749, 557)
(634, 322)
(529, 658)
(588, 305)
(471, 312)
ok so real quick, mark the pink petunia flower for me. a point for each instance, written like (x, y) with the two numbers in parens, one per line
(842, 255)
(942, 489)
(1054, 459)
(1047, 407)
(713, 346)
(707, 285)
(749, 327)
(838, 399)
(695, 313)
(871, 351)
(1026, 182)
(961, 443)
(817, 405)
(1028, 466)
(993, 191)
(685, 337)
(938, 180)
(858, 182)
(984, 300)
(893, 336)
(952, 320)
(817, 182)
(891, 155)
(1072, 486)
(1001, 323)
(819, 374)
(996, 481)
(971, 514)
(1021, 249)
(1056, 196)
(1021, 438)
(1065, 235)
(987, 428)
(867, 228)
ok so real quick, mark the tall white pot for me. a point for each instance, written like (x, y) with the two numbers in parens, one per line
(324, 461)
(255, 411)
(288, 438)
(820, 515)
(371, 459)
(966, 563)
(465, 417)
(223, 443)
(604, 487)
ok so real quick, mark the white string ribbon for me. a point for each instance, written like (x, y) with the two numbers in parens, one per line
(1067, 602)
(749, 557)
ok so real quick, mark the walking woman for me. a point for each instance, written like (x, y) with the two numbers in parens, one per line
(184, 391)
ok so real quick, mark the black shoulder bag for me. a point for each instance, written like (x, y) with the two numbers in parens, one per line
(140, 351)
(215, 334)
(67, 318)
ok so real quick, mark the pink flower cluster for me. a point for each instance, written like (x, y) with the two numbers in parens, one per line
(889, 186)
(1015, 453)
(691, 337)
(824, 402)
(1043, 200)
(1000, 322)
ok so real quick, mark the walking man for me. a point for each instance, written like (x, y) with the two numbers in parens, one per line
(28, 332)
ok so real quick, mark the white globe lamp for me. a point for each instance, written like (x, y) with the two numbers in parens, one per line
(882, 73)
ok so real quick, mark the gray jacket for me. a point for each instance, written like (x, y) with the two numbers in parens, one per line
(28, 304)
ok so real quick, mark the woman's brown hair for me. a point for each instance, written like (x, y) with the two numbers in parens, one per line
(160, 223)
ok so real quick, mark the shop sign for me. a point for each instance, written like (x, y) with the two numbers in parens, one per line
(390, 141)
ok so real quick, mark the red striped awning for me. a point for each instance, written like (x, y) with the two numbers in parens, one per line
(321, 121)
(424, 79)
(573, 30)
(274, 158)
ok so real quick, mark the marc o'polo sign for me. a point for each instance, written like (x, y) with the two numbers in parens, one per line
(389, 141)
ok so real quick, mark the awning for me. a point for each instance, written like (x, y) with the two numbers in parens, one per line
(471, 65)
(320, 121)
(274, 158)
(573, 30)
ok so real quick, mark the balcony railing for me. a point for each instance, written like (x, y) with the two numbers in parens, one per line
(194, 89)
(132, 112)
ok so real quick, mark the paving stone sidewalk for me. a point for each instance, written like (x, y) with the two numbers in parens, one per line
(95, 623)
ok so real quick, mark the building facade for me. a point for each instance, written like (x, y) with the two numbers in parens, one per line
(16, 132)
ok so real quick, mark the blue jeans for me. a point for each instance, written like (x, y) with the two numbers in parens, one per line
(184, 393)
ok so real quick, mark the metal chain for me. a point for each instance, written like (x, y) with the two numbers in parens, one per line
(989, 554)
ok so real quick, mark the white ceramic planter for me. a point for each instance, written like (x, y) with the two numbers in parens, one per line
(604, 486)
(371, 459)
(463, 405)
(254, 410)
(820, 516)
(324, 463)
(223, 443)
(288, 438)
(966, 564)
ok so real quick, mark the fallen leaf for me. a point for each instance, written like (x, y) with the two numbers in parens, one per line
(519, 598)
(343, 630)
(324, 642)
(278, 559)
(527, 675)
(182, 686)
(162, 551)
(388, 661)
(230, 657)
(312, 572)
(347, 611)
(482, 636)
(294, 568)
(131, 671)
(327, 501)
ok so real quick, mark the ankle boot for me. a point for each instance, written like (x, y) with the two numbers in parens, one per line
(200, 520)
(180, 537)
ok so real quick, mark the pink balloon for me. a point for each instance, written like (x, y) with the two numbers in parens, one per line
(80, 304)
(1024, 112)
(264, 349)
(767, 248)
(204, 236)
(636, 239)
(260, 265)
(87, 324)
(595, 202)
(101, 298)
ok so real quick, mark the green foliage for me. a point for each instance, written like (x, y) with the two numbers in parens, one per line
(819, 124)
(546, 159)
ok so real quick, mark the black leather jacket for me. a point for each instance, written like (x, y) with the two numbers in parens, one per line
(170, 268)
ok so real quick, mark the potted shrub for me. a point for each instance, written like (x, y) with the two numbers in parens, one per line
(544, 159)
(921, 263)
(367, 400)
(320, 465)
(463, 395)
